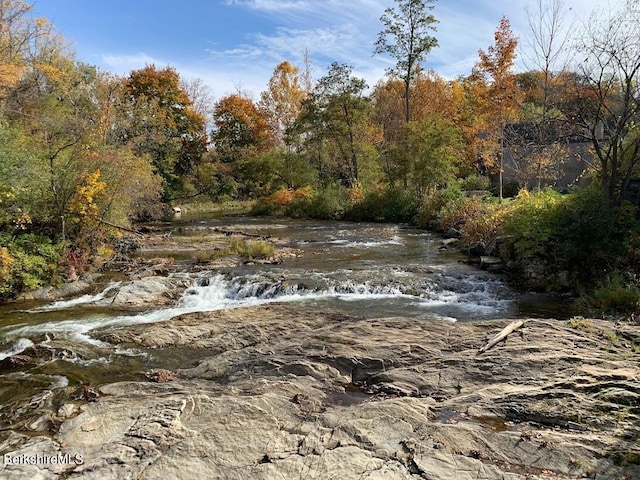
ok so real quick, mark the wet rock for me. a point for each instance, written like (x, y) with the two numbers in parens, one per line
(491, 264)
(478, 249)
(452, 233)
(147, 292)
(448, 242)
(289, 391)
(69, 289)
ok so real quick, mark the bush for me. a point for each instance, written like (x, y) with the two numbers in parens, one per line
(475, 182)
(251, 249)
(615, 296)
(27, 262)
(328, 204)
(533, 222)
(386, 205)
(431, 205)
(574, 236)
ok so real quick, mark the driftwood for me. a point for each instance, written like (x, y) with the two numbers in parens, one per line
(241, 233)
(513, 326)
(120, 227)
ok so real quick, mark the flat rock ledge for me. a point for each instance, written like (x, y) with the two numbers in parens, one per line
(291, 392)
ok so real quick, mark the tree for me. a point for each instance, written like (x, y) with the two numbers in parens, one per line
(164, 125)
(23, 39)
(334, 119)
(500, 99)
(282, 101)
(426, 154)
(239, 125)
(406, 38)
(609, 108)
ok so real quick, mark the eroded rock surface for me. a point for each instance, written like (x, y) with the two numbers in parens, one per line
(287, 391)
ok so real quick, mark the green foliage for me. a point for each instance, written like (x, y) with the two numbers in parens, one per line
(406, 39)
(328, 204)
(475, 182)
(165, 125)
(533, 222)
(432, 204)
(615, 295)
(386, 205)
(576, 234)
(251, 249)
(424, 157)
(30, 262)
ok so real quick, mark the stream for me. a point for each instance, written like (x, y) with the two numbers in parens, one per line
(371, 270)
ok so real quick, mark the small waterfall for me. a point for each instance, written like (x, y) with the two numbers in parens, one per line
(18, 347)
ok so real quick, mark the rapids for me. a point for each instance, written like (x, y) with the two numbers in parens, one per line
(373, 270)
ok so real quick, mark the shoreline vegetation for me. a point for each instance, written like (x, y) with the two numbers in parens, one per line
(532, 172)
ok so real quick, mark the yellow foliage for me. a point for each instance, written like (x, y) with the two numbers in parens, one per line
(83, 201)
(5, 262)
(10, 74)
(304, 192)
(53, 73)
(22, 220)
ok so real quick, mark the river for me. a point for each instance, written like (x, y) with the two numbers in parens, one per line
(374, 270)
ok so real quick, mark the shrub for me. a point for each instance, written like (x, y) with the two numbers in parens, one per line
(28, 262)
(251, 249)
(475, 182)
(533, 222)
(385, 205)
(576, 237)
(328, 204)
(431, 205)
(615, 296)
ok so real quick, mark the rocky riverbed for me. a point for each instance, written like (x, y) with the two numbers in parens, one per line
(286, 391)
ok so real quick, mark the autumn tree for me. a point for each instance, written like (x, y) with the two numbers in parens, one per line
(406, 38)
(241, 136)
(164, 125)
(238, 125)
(282, 101)
(500, 103)
(23, 40)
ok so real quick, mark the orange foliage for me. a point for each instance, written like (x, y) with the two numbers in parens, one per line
(285, 196)
(5, 262)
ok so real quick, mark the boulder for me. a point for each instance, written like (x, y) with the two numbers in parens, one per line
(147, 292)
(452, 233)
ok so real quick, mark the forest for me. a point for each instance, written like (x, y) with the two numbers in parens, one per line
(86, 154)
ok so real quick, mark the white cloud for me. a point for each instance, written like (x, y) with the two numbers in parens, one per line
(122, 64)
(335, 30)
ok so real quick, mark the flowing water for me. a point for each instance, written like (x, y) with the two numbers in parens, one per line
(375, 270)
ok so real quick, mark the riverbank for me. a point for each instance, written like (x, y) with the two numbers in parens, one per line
(288, 391)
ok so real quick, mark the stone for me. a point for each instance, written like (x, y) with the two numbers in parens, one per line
(290, 391)
(146, 292)
(452, 233)
(478, 249)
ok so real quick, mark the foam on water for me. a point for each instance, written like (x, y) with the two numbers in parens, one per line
(74, 302)
(18, 347)
(449, 298)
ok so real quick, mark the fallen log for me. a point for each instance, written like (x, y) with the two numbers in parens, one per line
(120, 227)
(506, 331)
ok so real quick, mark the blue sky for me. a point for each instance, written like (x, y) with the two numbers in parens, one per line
(236, 44)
